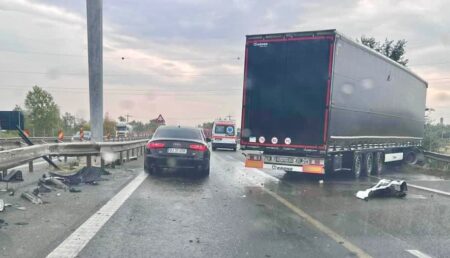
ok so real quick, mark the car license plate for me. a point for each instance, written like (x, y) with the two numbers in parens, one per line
(177, 151)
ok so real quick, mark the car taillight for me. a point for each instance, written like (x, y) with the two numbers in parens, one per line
(155, 145)
(197, 147)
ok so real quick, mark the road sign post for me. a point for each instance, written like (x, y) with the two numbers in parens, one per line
(95, 56)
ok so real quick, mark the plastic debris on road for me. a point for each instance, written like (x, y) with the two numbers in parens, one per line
(384, 188)
(85, 175)
(13, 176)
(54, 181)
(74, 190)
(2, 205)
(32, 198)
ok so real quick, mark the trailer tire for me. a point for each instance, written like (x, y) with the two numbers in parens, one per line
(357, 165)
(378, 163)
(368, 163)
(410, 157)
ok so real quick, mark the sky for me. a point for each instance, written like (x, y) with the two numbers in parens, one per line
(184, 58)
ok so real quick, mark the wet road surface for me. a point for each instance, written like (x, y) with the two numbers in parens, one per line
(240, 212)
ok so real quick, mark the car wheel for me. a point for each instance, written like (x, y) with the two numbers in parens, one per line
(151, 171)
(205, 172)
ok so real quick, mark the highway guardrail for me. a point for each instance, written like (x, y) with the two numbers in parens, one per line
(106, 150)
(437, 156)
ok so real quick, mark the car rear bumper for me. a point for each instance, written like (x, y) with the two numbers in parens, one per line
(152, 161)
(224, 145)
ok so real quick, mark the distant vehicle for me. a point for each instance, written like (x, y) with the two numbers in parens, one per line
(86, 137)
(174, 148)
(224, 135)
(318, 102)
(123, 130)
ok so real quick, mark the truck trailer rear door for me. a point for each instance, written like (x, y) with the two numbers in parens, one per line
(286, 91)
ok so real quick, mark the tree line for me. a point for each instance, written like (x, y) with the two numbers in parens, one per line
(43, 118)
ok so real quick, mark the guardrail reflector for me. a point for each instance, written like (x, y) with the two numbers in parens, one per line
(254, 163)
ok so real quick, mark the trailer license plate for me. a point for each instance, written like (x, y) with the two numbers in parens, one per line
(276, 167)
(177, 151)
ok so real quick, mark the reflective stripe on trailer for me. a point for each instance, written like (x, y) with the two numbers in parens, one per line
(389, 157)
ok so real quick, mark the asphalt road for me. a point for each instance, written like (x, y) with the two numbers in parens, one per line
(240, 212)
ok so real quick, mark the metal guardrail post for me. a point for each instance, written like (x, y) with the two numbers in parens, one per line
(88, 161)
(30, 166)
(102, 163)
(120, 158)
(132, 152)
(128, 155)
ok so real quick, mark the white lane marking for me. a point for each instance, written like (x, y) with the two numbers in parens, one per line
(79, 239)
(429, 189)
(299, 212)
(418, 253)
(251, 170)
(423, 188)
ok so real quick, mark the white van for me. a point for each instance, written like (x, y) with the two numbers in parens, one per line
(224, 135)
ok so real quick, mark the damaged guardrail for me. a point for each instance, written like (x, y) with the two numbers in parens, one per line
(106, 150)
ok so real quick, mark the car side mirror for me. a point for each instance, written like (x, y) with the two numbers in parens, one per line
(208, 139)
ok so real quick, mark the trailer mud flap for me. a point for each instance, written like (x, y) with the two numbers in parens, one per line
(254, 163)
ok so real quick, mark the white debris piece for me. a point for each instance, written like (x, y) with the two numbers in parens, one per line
(384, 188)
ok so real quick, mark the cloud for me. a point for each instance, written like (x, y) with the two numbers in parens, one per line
(180, 58)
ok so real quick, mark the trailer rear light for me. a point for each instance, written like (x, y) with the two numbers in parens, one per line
(155, 145)
(198, 147)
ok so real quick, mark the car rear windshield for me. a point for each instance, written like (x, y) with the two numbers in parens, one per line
(224, 129)
(178, 133)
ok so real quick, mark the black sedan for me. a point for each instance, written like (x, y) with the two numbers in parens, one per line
(177, 148)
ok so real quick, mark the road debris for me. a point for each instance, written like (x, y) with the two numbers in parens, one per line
(55, 181)
(2, 205)
(384, 188)
(13, 175)
(20, 208)
(32, 198)
(74, 190)
(21, 223)
(3, 223)
(85, 175)
(44, 188)
(11, 192)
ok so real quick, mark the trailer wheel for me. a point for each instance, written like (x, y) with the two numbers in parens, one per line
(357, 165)
(410, 157)
(368, 163)
(378, 164)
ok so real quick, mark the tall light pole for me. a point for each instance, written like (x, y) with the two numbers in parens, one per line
(95, 56)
